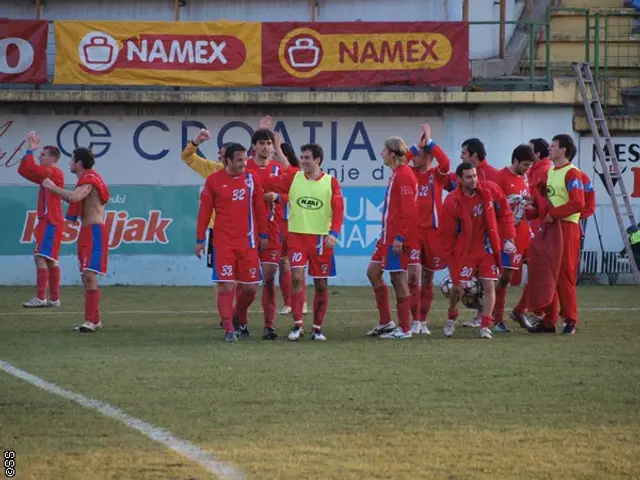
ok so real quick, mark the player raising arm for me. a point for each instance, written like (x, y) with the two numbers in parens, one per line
(50, 222)
(470, 240)
(432, 180)
(315, 220)
(241, 225)
(87, 200)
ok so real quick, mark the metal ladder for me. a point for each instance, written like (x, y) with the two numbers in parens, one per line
(608, 160)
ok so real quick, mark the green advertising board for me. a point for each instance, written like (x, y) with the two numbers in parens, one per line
(140, 219)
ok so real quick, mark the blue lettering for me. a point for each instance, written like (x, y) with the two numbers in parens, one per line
(312, 129)
(136, 140)
(186, 124)
(352, 145)
(334, 140)
(235, 124)
(280, 127)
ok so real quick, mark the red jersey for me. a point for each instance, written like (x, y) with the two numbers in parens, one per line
(515, 188)
(487, 172)
(241, 216)
(589, 197)
(399, 212)
(431, 183)
(337, 201)
(269, 177)
(49, 205)
(472, 207)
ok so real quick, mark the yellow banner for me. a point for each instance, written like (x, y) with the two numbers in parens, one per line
(213, 54)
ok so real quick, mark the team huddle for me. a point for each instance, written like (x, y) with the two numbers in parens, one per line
(274, 212)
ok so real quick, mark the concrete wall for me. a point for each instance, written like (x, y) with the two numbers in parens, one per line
(352, 138)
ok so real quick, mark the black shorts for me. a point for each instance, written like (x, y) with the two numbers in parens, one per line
(210, 249)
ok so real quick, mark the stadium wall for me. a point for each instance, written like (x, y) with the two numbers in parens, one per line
(155, 196)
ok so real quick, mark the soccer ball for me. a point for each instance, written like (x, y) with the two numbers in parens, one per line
(447, 287)
(472, 294)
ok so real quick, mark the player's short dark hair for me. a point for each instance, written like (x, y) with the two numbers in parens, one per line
(231, 149)
(290, 153)
(262, 134)
(315, 149)
(475, 145)
(565, 141)
(84, 156)
(540, 146)
(463, 167)
(53, 151)
(522, 153)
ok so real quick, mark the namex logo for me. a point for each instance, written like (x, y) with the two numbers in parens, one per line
(362, 220)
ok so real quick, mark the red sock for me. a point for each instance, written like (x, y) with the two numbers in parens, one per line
(486, 321)
(269, 304)
(244, 300)
(297, 300)
(285, 286)
(320, 304)
(91, 305)
(452, 313)
(426, 293)
(96, 313)
(498, 307)
(236, 295)
(414, 290)
(225, 309)
(522, 306)
(382, 302)
(403, 307)
(42, 278)
(54, 283)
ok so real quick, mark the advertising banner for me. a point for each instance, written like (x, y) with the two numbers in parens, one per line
(139, 219)
(147, 220)
(627, 150)
(23, 51)
(145, 150)
(213, 54)
(355, 54)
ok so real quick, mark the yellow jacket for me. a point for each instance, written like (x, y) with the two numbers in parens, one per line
(202, 166)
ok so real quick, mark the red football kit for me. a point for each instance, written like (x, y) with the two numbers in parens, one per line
(269, 175)
(48, 232)
(398, 221)
(309, 249)
(241, 219)
(487, 172)
(515, 188)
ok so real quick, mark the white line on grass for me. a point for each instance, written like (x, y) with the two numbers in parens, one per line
(178, 445)
(213, 311)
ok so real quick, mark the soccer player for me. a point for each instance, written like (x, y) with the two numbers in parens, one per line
(432, 180)
(565, 193)
(87, 200)
(284, 269)
(399, 236)
(513, 183)
(315, 220)
(474, 152)
(474, 218)
(269, 171)
(50, 222)
(241, 224)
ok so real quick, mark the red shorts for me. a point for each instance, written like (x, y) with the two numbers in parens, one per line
(93, 248)
(48, 240)
(428, 254)
(270, 256)
(513, 261)
(306, 249)
(390, 261)
(482, 265)
(232, 264)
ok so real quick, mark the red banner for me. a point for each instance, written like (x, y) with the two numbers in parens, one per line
(354, 54)
(23, 51)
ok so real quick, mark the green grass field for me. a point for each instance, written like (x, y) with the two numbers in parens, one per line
(518, 406)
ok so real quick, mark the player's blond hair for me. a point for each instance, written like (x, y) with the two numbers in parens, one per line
(397, 146)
